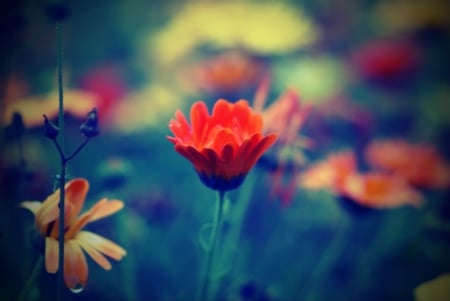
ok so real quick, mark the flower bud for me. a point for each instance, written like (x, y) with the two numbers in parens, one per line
(51, 130)
(89, 128)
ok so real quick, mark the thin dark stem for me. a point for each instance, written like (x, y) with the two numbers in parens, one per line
(80, 147)
(60, 151)
(209, 260)
(62, 179)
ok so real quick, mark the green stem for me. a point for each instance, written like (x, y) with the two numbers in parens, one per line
(32, 279)
(63, 168)
(209, 260)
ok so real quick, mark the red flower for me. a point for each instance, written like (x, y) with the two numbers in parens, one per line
(224, 146)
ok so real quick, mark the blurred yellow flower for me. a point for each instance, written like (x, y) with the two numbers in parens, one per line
(76, 102)
(144, 108)
(263, 28)
(401, 16)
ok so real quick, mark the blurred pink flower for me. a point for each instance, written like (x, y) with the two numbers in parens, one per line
(285, 117)
(108, 84)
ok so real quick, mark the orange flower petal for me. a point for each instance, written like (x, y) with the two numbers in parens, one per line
(106, 208)
(78, 225)
(261, 147)
(51, 255)
(94, 253)
(199, 116)
(221, 113)
(180, 127)
(75, 195)
(75, 265)
(224, 136)
(102, 244)
(49, 210)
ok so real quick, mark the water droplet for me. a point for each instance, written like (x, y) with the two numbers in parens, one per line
(78, 288)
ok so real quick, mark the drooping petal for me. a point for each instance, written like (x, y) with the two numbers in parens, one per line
(260, 148)
(102, 244)
(75, 265)
(94, 253)
(51, 255)
(199, 161)
(33, 206)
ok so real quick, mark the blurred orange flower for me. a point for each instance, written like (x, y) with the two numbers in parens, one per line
(231, 71)
(339, 174)
(224, 146)
(379, 190)
(419, 164)
(330, 173)
(75, 240)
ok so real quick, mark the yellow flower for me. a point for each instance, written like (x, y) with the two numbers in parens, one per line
(263, 28)
(75, 239)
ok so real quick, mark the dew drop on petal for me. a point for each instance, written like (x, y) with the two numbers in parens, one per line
(78, 288)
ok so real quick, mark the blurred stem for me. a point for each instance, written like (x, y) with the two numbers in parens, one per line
(231, 241)
(326, 260)
(32, 279)
(208, 271)
(62, 178)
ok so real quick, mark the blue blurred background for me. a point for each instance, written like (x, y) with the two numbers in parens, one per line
(368, 69)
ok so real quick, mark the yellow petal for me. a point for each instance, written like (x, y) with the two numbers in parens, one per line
(94, 253)
(49, 210)
(51, 255)
(75, 266)
(102, 244)
(33, 206)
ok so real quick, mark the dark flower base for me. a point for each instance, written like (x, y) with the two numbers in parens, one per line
(221, 184)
